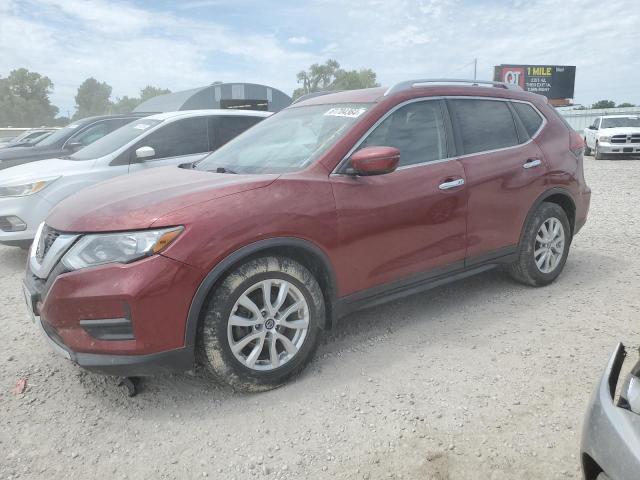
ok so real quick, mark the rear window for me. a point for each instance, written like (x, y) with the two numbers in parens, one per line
(529, 117)
(484, 124)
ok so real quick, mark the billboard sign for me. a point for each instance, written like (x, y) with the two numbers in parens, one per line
(553, 81)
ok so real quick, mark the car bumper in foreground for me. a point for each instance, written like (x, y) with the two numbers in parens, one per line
(611, 434)
(126, 320)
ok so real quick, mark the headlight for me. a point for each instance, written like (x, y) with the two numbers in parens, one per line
(604, 139)
(24, 189)
(125, 247)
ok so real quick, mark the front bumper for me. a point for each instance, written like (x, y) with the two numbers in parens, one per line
(611, 435)
(31, 209)
(150, 297)
(608, 148)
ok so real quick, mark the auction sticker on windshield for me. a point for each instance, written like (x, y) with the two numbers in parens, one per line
(345, 112)
(141, 126)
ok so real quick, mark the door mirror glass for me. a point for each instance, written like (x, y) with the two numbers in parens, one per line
(143, 153)
(375, 160)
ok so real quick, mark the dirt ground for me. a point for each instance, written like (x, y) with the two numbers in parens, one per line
(479, 379)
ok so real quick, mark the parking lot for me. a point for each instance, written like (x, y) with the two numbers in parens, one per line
(483, 378)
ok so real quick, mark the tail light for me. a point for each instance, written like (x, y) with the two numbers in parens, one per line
(576, 144)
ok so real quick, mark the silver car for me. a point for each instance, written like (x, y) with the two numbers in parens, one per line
(611, 434)
(28, 192)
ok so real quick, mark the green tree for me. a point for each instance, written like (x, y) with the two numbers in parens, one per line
(604, 104)
(92, 98)
(124, 104)
(24, 99)
(625, 104)
(329, 76)
(149, 92)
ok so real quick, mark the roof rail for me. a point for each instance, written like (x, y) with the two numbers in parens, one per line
(406, 85)
(314, 94)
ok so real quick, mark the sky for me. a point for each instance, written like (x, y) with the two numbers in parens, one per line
(192, 43)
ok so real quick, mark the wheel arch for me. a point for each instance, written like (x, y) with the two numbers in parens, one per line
(560, 197)
(303, 251)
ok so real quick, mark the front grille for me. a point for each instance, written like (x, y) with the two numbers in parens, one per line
(47, 237)
(633, 138)
(5, 224)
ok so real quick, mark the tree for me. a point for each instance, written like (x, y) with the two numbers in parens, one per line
(124, 104)
(92, 98)
(149, 92)
(625, 105)
(329, 76)
(604, 104)
(24, 99)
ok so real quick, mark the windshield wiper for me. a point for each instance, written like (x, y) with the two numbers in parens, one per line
(225, 170)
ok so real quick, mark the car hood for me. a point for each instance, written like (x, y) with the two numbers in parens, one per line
(619, 130)
(41, 169)
(133, 202)
(19, 152)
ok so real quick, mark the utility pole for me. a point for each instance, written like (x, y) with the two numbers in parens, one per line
(475, 68)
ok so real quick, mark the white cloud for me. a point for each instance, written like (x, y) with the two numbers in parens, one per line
(299, 40)
(130, 46)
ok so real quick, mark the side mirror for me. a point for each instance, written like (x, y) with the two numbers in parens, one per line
(375, 160)
(143, 153)
(74, 146)
(592, 127)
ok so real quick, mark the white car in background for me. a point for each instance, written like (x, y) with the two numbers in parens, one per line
(613, 135)
(28, 192)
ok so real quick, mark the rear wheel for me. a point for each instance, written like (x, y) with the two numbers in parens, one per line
(262, 324)
(544, 246)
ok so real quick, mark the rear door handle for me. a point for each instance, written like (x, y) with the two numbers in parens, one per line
(458, 182)
(532, 162)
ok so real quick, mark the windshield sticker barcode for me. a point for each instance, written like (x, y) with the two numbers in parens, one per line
(346, 112)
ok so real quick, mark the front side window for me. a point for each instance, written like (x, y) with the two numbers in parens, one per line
(483, 125)
(528, 116)
(416, 129)
(114, 140)
(288, 141)
(91, 134)
(182, 137)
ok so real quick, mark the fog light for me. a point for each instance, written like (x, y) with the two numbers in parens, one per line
(12, 224)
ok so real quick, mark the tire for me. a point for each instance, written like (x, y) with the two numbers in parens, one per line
(597, 154)
(587, 150)
(242, 293)
(526, 269)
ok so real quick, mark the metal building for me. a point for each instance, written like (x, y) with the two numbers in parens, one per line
(245, 96)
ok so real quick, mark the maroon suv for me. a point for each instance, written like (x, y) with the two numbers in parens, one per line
(339, 202)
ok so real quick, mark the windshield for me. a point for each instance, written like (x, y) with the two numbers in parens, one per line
(58, 135)
(287, 141)
(620, 122)
(114, 140)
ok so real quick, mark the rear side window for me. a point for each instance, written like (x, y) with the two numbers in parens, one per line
(416, 129)
(484, 124)
(182, 137)
(226, 127)
(529, 117)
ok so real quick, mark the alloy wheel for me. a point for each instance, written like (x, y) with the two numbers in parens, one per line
(549, 245)
(268, 324)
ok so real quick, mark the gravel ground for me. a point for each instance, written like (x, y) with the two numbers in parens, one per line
(479, 379)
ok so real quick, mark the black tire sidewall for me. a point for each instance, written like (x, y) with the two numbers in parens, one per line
(545, 212)
(214, 340)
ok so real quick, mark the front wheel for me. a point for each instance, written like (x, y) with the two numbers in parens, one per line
(587, 150)
(262, 324)
(544, 246)
(598, 154)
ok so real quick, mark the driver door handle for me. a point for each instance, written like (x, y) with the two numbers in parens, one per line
(532, 162)
(449, 184)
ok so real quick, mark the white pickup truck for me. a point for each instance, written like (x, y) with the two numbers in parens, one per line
(613, 135)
